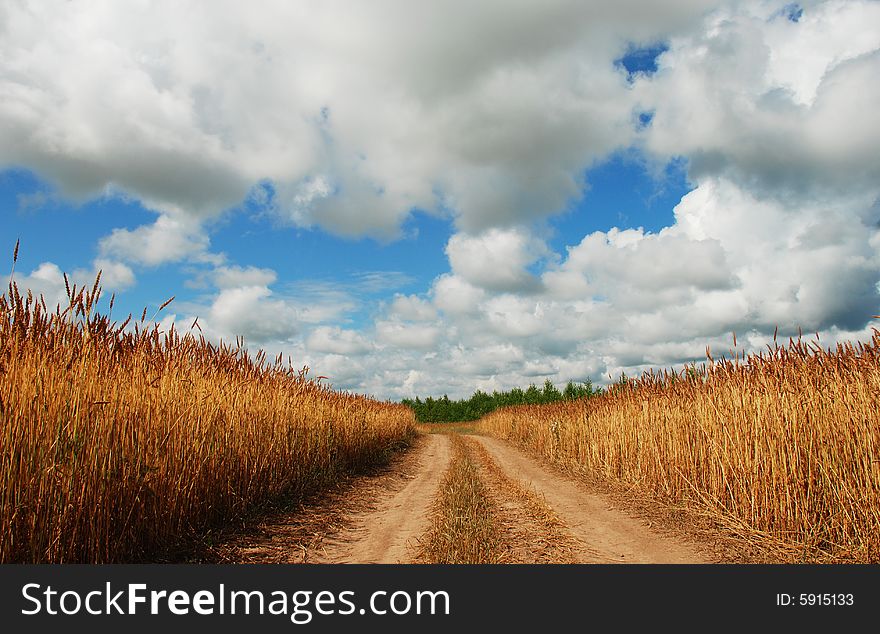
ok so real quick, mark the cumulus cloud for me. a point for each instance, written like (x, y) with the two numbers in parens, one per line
(780, 229)
(630, 268)
(455, 296)
(484, 361)
(46, 281)
(497, 259)
(342, 371)
(338, 341)
(115, 276)
(407, 335)
(251, 311)
(246, 305)
(731, 262)
(783, 108)
(235, 276)
(412, 308)
(169, 239)
(298, 320)
(354, 122)
(814, 264)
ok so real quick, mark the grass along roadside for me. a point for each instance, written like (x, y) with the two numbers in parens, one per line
(534, 530)
(465, 527)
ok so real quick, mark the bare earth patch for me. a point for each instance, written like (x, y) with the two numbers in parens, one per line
(387, 533)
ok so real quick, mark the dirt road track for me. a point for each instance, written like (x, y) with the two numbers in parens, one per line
(380, 518)
(607, 535)
(387, 533)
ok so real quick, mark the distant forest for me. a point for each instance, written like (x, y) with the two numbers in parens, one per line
(445, 410)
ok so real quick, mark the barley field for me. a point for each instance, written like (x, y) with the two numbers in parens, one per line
(780, 447)
(118, 441)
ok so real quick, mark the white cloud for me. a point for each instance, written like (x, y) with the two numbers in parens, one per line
(627, 300)
(781, 108)
(46, 281)
(412, 308)
(781, 228)
(514, 317)
(342, 371)
(115, 276)
(338, 341)
(252, 312)
(169, 239)
(455, 296)
(825, 35)
(483, 361)
(813, 264)
(235, 276)
(407, 335)
(495, 110)
(539, 369)
(289, 319)
(633, 267)
(497, 259)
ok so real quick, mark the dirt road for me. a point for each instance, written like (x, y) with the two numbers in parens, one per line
(545, 517)
(601, 534)
(387, 533)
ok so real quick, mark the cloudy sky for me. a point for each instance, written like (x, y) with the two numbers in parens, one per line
(433, 197)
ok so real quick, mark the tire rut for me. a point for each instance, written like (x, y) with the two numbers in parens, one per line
(387, 533)
(534, 533)
(606, 535)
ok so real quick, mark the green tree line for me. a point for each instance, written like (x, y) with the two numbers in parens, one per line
(446, 410)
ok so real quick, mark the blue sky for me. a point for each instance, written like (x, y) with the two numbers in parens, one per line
(619, 192)
(434, 201)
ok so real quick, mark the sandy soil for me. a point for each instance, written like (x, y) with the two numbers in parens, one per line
(605, 534)
(388, 532)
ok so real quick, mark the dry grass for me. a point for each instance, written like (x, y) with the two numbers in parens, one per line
(540, 534)
(464, 525)
(781, 447)
(117, 442)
